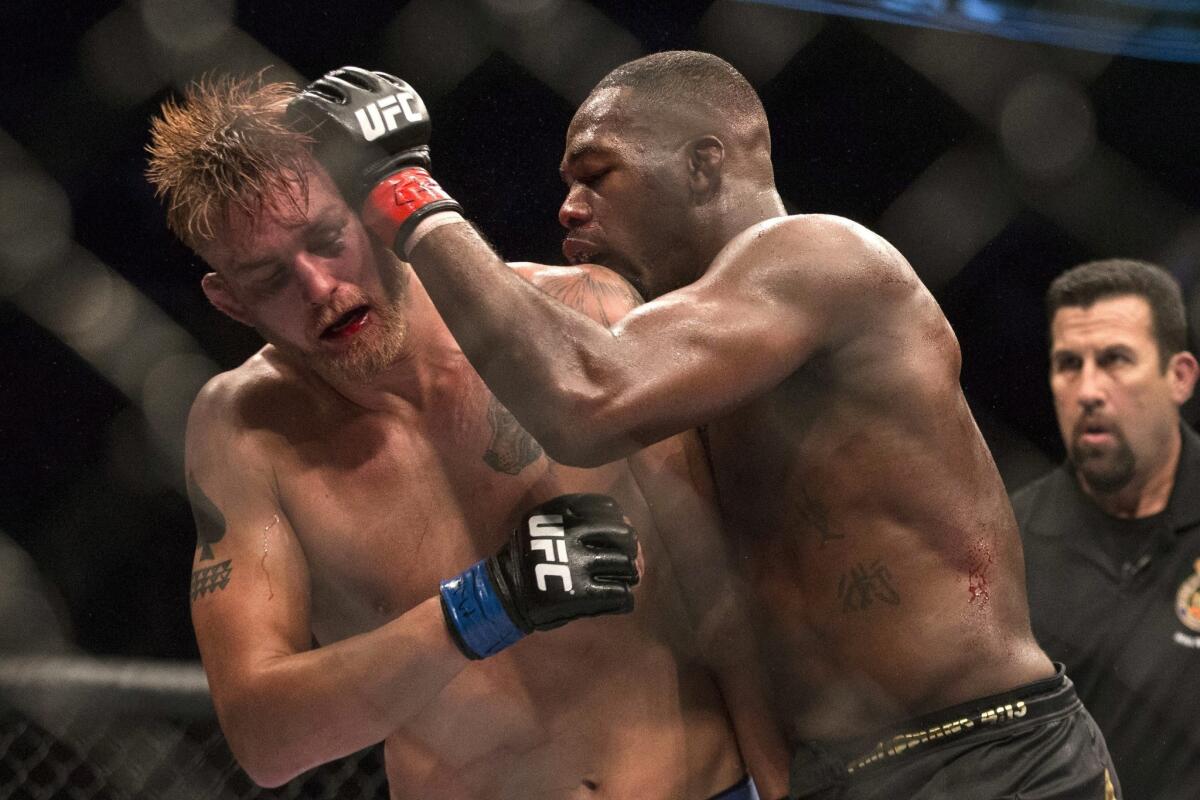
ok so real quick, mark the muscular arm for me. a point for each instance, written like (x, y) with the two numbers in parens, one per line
(673, 477)
(590, 394)
(284, 707)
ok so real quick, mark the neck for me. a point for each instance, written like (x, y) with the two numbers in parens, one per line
(743, 205)
(1146, 495)
(429, 364)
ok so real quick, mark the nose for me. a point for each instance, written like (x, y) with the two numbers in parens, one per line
(317, 282)
(575, 210)
(1091, 387)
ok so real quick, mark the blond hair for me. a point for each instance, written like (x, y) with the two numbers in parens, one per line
(224, 146)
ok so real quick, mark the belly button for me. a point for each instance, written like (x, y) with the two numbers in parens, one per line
(588, 784)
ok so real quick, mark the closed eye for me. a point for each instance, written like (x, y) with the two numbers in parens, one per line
(593, 178)
(1111, 358)
(1066, 362)
(329, 247)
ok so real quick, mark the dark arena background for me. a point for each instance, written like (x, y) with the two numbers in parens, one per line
(994, 143)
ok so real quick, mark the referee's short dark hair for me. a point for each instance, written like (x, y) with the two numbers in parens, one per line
(1098, 280)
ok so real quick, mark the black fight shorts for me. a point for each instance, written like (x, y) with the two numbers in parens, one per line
(1036, 742)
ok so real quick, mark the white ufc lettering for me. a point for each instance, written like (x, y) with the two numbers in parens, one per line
(376, 119)
(546, 534)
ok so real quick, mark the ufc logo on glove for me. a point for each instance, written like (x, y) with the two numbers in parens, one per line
(379, 117)
(546, 533)
(581, 539)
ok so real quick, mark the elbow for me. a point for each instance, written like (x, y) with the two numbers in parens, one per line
(255, 737)
(265, 779)
(584, 435)
(263, 763)
(571, 451)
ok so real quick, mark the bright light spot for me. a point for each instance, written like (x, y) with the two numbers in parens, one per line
(188, 24)
(35, 227)
(170, 387)
(1047, 127)
(523, 7)
(116, 62)
(758, 40)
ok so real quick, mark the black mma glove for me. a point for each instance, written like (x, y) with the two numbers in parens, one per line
(372, 136)
(573, 556)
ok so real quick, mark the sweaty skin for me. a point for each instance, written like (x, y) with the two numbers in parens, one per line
(333, 518)
(868, 516)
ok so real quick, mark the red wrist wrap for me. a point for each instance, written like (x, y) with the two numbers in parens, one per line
(400, 201)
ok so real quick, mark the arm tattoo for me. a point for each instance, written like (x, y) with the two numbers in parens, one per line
(210, 522)
(211, 579)
(581, 291)
(512, 449)
(865, 584)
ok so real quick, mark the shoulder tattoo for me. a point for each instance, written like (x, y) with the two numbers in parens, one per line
(584, 292)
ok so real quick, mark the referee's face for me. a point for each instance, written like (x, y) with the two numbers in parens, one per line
(1118, 409)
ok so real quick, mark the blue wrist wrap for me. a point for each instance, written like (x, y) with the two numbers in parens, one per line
(473, 608)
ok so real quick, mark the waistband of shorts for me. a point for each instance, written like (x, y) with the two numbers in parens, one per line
(1031, 701)
(742, 790)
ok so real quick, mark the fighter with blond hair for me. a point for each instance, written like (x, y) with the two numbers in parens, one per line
(868, 516)
(369, 565)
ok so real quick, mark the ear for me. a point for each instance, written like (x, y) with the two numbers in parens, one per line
(221, 295)
(1182, 371)
(706, 157)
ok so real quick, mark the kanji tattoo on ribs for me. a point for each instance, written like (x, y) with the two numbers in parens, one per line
(816, 515)
(865, 585)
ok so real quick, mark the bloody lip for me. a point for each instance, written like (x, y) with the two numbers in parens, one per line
(348, 324)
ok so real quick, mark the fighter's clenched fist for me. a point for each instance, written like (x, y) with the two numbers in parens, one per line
(372, 136)
(573, 556)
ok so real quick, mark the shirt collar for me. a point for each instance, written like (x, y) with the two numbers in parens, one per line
(1074, 512)
(1184, 503)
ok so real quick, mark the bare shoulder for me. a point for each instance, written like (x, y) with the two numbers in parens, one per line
(235, 408)
(829, 253)
(595, 290)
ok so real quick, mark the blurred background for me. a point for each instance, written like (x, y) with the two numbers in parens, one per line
(995, 143)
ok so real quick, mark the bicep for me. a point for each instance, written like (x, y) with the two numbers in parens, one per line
(698, 353)
(249, 589)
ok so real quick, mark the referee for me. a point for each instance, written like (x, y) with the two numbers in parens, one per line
(1112, 536)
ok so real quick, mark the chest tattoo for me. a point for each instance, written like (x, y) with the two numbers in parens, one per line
(511, 448)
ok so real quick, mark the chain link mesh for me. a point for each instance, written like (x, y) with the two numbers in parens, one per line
(86, 755)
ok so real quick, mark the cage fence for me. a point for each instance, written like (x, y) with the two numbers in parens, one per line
(80, 728)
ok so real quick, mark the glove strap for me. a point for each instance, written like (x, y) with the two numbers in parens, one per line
(475, 615)
(400, 201)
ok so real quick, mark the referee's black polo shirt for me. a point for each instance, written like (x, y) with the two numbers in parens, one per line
(1118, 602)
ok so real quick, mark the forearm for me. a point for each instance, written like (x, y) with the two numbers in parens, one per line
(675, 480)
(550, 365)
(288, 713)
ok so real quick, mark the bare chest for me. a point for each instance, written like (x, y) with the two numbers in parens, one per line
(384, 509)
